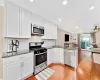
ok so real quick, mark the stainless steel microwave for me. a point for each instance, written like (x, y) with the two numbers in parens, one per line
(37, 30)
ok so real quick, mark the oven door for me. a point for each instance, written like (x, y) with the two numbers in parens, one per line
(40, 58)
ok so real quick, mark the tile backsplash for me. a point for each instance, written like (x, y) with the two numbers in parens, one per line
(24, 43)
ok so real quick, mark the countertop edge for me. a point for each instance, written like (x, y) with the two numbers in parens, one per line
(16, 54)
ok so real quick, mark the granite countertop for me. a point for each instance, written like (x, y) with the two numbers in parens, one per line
(61, 47)
(11, 54)
(54, 47)
(71, 48)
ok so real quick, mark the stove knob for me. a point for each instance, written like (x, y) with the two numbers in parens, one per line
(37, 52)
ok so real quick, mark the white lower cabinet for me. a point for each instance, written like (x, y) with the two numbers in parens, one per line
(13, 72)
(21, 68)
(27, 67)
(55, 55)
(71, 57)
(49, 56)
(58, 56)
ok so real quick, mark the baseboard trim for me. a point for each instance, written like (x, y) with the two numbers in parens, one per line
(58, 62)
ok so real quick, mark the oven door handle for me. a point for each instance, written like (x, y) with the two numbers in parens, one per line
(41, 53)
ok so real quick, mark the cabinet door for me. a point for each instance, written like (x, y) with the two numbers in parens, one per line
(56, 55)
(25, 24)
(73, 62)
(50, 31)
(46, 32)
(67, 57)
(61, 50)
(27, 67)
(13, 72)
(12, 20)
(53, 33)
(49, 57)
(74, 59)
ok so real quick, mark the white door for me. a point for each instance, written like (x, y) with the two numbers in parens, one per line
(13, 72)
(27, 67)
(25, 24)
(12, 20)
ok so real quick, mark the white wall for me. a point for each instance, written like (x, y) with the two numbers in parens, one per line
(1, 2)
(61, 37)
(1, 39)
(75, 38)
(97, 35)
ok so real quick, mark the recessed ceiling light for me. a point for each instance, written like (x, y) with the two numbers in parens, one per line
(64, 2)
(80, 30)
(92, 7)
(31, 0)
(59, 19)
(77, 27)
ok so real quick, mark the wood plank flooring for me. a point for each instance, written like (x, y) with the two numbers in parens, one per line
(86, 70)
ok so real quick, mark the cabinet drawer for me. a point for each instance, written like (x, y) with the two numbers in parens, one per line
(28, 55)
(9, 60)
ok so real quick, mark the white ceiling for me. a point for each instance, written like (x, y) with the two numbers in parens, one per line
(75, 13)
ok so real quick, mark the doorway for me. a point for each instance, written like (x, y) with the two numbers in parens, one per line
(85, 41)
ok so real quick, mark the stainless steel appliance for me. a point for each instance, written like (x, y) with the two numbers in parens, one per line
(41, 30)
(37, 30)
(40, 58)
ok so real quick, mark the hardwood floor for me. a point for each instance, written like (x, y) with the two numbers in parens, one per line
(86, 70)
(62, 72)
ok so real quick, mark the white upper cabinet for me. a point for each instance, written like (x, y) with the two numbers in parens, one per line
(25, 24)
(50, 31)
(12, 20)
(17, 21)
(53, 32)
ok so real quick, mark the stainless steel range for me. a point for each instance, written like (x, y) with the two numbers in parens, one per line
(40, 58)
